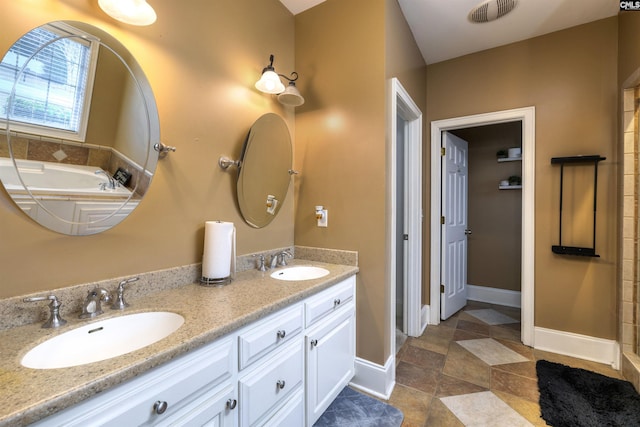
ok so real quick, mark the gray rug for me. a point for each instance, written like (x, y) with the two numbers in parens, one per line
(354, 409)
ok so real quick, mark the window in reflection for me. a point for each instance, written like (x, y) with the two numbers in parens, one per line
(55, 66)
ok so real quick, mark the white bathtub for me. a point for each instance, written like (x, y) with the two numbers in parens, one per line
(45, 178)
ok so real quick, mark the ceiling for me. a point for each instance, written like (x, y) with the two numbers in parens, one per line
(443, 31)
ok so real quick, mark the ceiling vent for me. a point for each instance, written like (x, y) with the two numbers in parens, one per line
(490, 10)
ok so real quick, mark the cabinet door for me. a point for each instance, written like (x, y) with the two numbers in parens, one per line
(330, 353)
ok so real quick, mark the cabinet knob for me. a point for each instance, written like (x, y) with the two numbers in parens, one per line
(314, 343)
(282, 333)
(336, 301)
(280, 384)
(231, 403)
(160, 406)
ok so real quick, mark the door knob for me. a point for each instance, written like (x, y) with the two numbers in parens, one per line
(467, 231)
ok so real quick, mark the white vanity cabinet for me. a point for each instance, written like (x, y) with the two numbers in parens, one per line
(271, 361)
(282, 370)
(196, 386)
(329, 346)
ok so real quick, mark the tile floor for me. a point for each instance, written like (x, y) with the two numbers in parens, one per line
(472, 370)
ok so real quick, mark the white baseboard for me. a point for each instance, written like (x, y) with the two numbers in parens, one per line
(424, 317)
(494, 296)
(579, 346)
(375, 379)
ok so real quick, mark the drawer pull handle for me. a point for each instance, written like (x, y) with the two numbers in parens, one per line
(336, 302)
(280, 384)
(231, 403)
(282, 333)
(314, 343)
(160, 406)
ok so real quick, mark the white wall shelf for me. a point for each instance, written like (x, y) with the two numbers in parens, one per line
(509, 159)
(510, 187)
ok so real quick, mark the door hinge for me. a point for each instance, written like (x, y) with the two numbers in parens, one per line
(441, 288)
(442, 220)
(405, 236)
(443, 151)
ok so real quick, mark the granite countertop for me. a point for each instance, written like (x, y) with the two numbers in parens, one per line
(28, 395)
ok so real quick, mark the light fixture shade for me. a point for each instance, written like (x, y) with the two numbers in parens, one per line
(291, 96)
(134, 12)
(269, 82)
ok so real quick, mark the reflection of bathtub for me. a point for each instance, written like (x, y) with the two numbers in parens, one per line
(57, 179)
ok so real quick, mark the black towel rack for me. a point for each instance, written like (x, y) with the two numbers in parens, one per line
(562, 161)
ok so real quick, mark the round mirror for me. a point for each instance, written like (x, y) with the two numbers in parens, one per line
(264, 173)
(80, 124)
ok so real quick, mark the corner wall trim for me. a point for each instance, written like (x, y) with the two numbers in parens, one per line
(374, 379)
(579, 346)
(494, 295)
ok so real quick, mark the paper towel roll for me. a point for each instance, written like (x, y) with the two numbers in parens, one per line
(219, 248)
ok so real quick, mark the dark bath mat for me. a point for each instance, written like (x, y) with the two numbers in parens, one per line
(572, 397)
(354, 409)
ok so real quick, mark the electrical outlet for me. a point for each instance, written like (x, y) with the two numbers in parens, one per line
(324, 221)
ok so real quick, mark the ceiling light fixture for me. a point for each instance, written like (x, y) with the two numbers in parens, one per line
(134, 12)
(270, 83)
(490, 10)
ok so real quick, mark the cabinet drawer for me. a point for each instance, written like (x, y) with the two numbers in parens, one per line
(176, 383)
(265, 387)
(212, 408)
(291, 414)
(268, 335)
(330, 300)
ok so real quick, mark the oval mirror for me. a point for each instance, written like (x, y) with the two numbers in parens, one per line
(264, 171)
(80, 124)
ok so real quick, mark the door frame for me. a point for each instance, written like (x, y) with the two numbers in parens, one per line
(525, 115)
(405, 107)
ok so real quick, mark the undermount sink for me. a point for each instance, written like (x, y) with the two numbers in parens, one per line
(102, 340)
(300, 272)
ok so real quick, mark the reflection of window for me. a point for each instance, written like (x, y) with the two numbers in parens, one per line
(54, 82)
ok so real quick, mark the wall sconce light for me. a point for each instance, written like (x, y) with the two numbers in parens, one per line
(134, 12)
(270, 83)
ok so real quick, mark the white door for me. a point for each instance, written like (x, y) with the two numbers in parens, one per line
(454, 230)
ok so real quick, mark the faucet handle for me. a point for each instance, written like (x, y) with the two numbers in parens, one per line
(54, 320)
(119, 303)
(261, 266)
(283, 258)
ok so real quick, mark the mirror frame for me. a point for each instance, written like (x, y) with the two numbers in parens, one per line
(264, 172)
(143, 90)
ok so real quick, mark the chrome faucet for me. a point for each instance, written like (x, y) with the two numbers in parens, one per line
(280, 259)
(55, 321)
(111, 184)
(92, 305)
(119, 303)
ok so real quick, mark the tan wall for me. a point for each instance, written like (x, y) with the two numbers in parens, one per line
(340, 147)
(202, 62)
(570, 77)
(494, 216)
(629, 48)
(341, 140)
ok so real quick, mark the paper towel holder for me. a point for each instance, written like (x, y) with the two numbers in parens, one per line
(207, 281)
